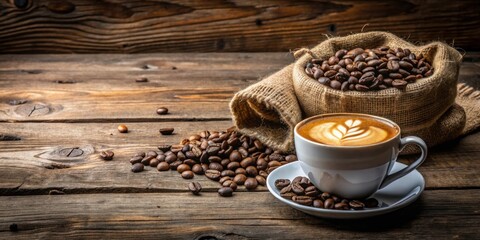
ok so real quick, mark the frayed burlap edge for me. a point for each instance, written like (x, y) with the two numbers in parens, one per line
(469, 99)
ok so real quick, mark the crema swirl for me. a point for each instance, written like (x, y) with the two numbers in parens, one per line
(347, 130)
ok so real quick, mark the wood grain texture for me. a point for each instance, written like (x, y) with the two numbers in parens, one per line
(31, 165)
(123, 26)
(103, 89)
(442, 214)
(65, 86)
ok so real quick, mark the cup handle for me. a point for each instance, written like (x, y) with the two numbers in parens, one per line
(403, 142)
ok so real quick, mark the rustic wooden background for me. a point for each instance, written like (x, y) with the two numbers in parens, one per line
(137, 26)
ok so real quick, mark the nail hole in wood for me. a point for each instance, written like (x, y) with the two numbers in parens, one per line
(258, 22)
(22, 4)
(332, 28)
(220, 44)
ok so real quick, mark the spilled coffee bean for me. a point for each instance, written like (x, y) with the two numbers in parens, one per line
(166, 131)
(137, 167)
(225, 191)
(302, 191)
(369, 69)
(229, 157)
(195, 187)
(162, 110)
(107, 155)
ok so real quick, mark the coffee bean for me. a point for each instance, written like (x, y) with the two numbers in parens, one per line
(329, 203)
(213, 174)
(399, 84)
(311, 191)
(163, 166)
(324, 80)
(189, 162)
(231, 184)
(225, 191)
(166, 131)
(183, 167)
(304, 200)
(251, 171)
(162, 110)
(164, 148)
(136, 159)
(318, 203)
(247, 162)
(291, 158)
(240, 179)
(122, 128)
(340, 53)
(213, 150)
(229, 173)
(356, 204)
(286, 189)
(410, 78)
(154, 162)
(224, 178)
(318, 73)
(107, 155)
(146, 160)
(297, 188)
(341, 206)
(195, 187)
(197, 169)
(235, 156)
(215, 166)
(261, 180)
(281, 183)
(288, 195)
(187, 174)
(240, 170)
(274, 164)
(345, 86)
(175, 164)
(137, 167)
(152, 153)
(233, 165)
(251, 183)
(325, 196)
(170, 158)
(335, 84)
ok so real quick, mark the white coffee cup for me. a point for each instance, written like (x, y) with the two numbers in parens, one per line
(354, 172)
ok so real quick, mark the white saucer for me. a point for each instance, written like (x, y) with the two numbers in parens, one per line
(398, 194)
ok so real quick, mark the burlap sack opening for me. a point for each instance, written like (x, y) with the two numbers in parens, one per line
(425, 109)
(268, 110)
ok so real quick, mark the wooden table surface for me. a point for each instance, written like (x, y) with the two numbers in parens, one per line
(54, 185)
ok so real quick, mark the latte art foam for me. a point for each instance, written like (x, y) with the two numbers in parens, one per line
(345, 131)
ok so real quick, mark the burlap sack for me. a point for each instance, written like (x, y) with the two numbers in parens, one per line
(269, 109)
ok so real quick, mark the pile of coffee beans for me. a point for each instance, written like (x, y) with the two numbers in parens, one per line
(302, 191)
(369, 69)
(229, 157)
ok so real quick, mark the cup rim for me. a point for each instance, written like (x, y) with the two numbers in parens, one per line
(346, 113)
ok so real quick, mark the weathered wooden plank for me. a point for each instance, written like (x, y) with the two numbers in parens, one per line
(200, 88)
(31, 165)
(200, 84)
(437, 214)
(184, 26)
